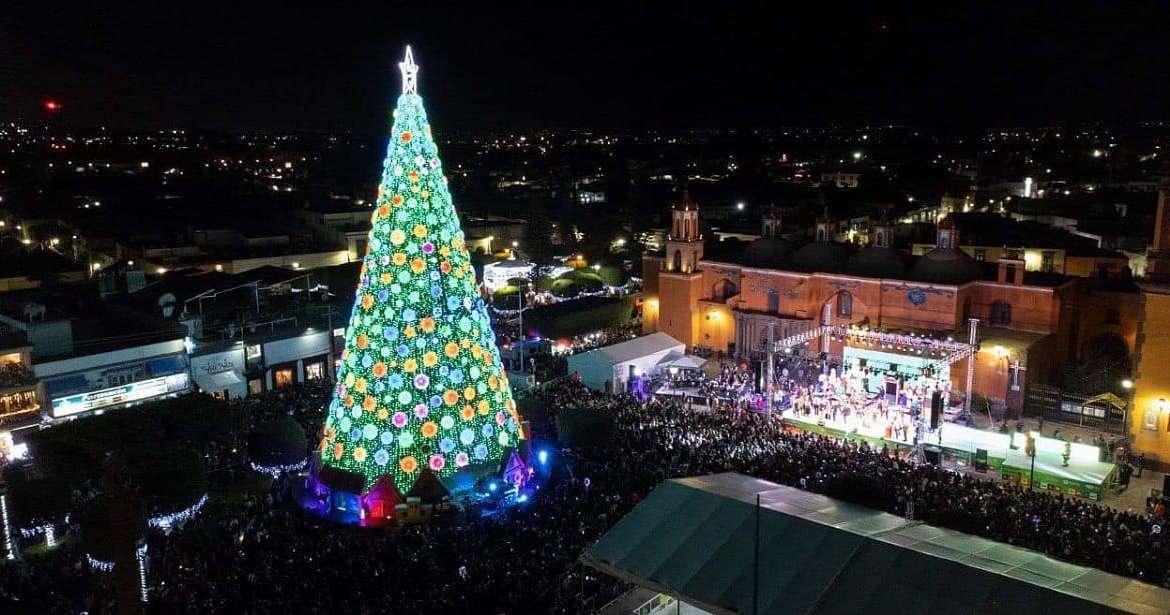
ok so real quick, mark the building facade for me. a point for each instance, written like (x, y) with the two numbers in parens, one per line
(20, 391)
(779, 289)
(82, 384)
(1149, 420)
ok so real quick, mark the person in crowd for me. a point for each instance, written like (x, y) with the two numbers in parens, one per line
(269, 556)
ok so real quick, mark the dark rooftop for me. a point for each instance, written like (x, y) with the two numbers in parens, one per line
(952, 267)
(34, 263)
(981, 229)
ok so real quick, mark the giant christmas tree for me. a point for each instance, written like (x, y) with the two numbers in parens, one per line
(420, 383)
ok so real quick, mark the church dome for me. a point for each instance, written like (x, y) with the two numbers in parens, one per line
(946, 266)
(875, 262)
(828, 257)
(767, 252)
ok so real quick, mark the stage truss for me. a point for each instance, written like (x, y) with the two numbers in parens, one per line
(947, 349)
(950, 351)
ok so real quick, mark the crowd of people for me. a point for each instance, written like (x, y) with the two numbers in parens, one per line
(268, 556)
(731, 386)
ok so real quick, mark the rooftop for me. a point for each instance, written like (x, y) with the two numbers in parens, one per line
(635, 348)
(952, 267)
(982, 229)
(32, 264)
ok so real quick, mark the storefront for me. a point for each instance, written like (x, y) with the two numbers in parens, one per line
(316, 368)
(20, 397)
(220, 373)
(284, 375)
(123, 395)
(284, 361)
(78, 385)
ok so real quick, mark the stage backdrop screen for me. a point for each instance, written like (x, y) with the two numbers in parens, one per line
(892, 363)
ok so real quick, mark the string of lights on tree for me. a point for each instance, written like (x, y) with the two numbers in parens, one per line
(420, 383)
(277, 470)
(100, 565)
(6, 527)
(141, 557)
(47, 530)
(166, 522)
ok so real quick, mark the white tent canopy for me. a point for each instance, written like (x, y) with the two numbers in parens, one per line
(613, 366)
(686, 361)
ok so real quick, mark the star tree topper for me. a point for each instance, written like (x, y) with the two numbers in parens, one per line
(409, 73)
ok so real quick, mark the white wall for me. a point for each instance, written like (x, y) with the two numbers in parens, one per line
(300, 347)
(595, 369)
(107, 359)
(643, 366)
(231, 360)
(295, 350)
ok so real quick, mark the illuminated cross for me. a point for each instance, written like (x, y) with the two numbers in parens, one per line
(409, 73)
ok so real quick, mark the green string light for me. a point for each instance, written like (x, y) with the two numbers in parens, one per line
(420, 382)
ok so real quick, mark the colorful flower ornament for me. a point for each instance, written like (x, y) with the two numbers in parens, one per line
(420, 380)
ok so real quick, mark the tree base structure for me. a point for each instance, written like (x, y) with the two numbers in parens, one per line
(341, 496)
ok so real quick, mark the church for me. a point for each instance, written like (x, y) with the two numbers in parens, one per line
(821, 295)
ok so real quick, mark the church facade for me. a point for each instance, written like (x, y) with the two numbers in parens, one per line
(776, 289)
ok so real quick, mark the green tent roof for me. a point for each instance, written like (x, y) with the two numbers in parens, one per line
(693, 538)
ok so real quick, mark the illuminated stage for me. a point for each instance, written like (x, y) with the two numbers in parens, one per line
(896, 386)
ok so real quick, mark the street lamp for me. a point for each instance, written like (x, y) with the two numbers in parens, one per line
(1126, 384)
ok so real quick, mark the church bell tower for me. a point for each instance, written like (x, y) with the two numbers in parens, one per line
(684, 246)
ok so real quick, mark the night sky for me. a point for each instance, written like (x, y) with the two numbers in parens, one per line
(719, 64)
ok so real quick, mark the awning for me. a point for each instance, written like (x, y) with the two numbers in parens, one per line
(680, 360)
(689, 362)
(217, 381)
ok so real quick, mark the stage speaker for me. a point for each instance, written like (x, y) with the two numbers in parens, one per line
(1165, 485)
(936, 409)
(932, 457)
